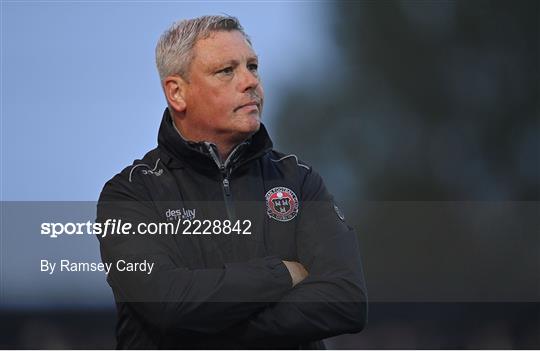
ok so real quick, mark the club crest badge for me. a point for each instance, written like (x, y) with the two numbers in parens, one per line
(281, 204)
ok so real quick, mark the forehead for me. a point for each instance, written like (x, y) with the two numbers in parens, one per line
(222, 46)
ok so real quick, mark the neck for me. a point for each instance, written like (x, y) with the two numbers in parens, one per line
(224, 147)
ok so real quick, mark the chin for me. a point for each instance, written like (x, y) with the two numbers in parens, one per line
(250, 125)
(247, 128)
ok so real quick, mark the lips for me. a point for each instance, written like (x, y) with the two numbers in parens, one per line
(251, 103)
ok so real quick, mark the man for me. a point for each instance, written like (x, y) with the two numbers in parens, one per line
(277, 266)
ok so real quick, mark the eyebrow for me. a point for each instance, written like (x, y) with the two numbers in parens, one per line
(234, 62)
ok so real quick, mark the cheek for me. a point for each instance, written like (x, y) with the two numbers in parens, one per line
(209, 100)
(217, 95)
(221, 103)
(260, 91)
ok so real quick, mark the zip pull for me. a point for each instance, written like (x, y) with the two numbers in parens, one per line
(226, 187)
(215, 156)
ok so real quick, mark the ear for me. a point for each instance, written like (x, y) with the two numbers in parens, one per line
(175, 89)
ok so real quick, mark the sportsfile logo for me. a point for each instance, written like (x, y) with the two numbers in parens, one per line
(180, 213)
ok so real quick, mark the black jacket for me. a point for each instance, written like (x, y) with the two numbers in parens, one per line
(230, 290)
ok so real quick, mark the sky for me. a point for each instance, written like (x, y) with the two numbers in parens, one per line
(80, 95)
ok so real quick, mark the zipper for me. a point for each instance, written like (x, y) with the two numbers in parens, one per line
(225, 182)
(226, 186)
(227, 195)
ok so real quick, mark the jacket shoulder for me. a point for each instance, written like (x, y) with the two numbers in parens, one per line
(290, 167)
(128, 184)
(289, 161)
(311, 183)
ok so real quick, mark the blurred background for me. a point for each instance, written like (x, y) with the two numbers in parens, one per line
(421, 116)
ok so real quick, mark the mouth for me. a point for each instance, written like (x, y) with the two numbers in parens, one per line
(249, 105)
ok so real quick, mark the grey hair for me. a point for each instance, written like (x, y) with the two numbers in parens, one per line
(174, 50)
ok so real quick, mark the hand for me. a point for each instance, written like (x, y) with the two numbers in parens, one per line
(297, 271)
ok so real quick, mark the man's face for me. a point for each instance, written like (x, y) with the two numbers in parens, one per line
(224, 95)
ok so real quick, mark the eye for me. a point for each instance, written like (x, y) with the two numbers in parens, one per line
(253, 67)
(226, 70)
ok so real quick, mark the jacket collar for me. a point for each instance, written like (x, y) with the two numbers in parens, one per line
(183, 153)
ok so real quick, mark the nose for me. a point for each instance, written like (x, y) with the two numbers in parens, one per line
(248, 80)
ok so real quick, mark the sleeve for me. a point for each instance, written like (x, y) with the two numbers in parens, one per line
(174, 297)
(332, 300)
